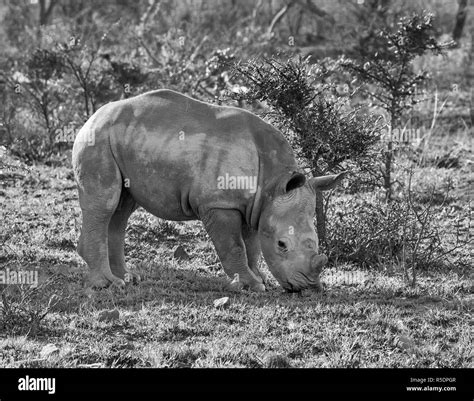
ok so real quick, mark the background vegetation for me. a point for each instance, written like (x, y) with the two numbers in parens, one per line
(379, 88)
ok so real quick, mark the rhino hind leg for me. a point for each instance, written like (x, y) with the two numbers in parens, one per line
(116, 236)
(252, 246)
(100, 186)
(225, 229)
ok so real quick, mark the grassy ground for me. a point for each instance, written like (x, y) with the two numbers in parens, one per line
(362, 319)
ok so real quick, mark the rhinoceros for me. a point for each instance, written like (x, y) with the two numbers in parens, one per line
(183, 159)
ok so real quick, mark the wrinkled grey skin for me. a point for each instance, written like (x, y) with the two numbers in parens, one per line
(165, 152)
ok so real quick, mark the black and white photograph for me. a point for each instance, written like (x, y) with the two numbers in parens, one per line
(264, 199)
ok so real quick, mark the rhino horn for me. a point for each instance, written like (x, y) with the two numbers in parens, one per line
(327, 182)
(318, 262)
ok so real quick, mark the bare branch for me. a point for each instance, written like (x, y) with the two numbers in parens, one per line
(279, 15)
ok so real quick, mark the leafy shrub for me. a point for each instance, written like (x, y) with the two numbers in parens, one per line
(45, 64)
(371, 232)
(31, 148)
(388, 78)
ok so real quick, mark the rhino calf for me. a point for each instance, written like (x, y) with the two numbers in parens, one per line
(183, 159)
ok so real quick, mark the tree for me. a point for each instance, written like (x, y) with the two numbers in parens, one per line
(388, 77)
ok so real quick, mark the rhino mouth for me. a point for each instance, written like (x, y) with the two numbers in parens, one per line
(301, 281)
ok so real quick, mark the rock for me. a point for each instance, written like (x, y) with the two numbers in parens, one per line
(109, 315)
(222, 303)
(180, 253)
(48, 350)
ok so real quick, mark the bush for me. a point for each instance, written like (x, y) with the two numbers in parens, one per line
(370, 232)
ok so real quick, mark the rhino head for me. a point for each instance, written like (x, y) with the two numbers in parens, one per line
(286, 230)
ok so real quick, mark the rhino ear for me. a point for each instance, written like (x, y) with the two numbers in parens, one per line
(326, 182)
(288, 182)
(296, 180)
(285, 183)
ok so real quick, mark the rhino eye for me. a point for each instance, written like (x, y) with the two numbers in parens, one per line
(282, 246)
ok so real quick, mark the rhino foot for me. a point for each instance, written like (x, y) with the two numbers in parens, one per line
(237, 285)
(254, 288)
(101, 279)
(258, 287)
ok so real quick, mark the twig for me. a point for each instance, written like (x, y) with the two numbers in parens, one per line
(278, 16)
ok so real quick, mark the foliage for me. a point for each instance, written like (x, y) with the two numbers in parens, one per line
(318, 122)
(90, 76)
(388, 76)
(64, 80)
(410, 232)
(389, 68)
(44, 65)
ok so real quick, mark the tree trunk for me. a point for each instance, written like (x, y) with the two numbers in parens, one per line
(45, 11)
(387, 175)
(320, 215)
(460, 21)
(320, 219)
(387, 172)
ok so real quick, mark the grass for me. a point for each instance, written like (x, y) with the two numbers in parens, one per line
(364, 318)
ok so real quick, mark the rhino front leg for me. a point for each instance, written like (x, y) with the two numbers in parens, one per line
(252, 246)
(225, 229)
(116, 240)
